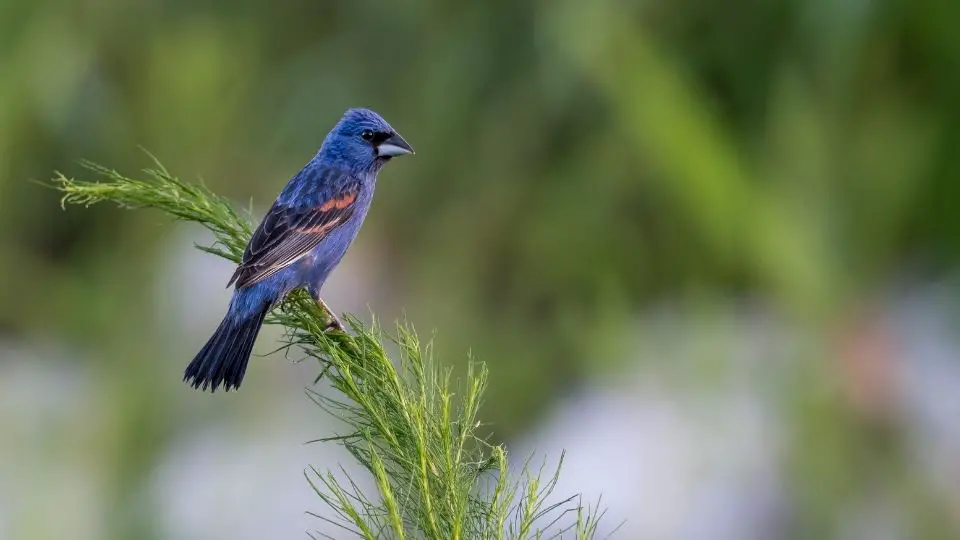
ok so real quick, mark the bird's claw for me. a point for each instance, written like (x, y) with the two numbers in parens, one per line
(333, 323)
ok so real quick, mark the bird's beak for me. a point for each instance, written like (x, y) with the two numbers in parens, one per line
(394, 146)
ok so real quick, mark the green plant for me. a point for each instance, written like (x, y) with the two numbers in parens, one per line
(408, 428)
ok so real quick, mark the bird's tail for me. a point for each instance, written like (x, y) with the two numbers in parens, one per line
(223, 360)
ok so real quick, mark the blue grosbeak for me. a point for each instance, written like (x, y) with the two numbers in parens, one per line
(300, 240)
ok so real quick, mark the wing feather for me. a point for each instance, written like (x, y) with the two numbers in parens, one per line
(287, 233)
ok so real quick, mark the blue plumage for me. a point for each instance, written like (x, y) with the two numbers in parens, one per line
(300, 241)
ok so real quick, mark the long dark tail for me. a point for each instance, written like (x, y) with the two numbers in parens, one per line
(224, 358)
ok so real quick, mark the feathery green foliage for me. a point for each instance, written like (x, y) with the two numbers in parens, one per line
(408, 428)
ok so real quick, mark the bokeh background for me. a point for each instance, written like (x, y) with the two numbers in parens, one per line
(709, 248)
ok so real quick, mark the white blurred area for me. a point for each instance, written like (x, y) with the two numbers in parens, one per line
(686, 443)
(670, 458)
(673, 459)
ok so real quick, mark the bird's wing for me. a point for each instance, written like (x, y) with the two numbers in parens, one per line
(288, 233)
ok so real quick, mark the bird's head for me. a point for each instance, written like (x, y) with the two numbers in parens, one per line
(363, 140)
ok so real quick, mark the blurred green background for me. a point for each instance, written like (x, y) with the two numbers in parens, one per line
(711, 248)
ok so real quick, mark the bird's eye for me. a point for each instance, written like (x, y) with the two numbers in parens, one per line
(367, 135)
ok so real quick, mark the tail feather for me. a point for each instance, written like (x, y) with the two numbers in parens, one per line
(236, 366)
(223, 360)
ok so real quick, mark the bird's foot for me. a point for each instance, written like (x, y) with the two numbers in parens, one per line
(334, 322)
(334, 325)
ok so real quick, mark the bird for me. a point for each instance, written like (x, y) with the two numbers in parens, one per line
(301, 239)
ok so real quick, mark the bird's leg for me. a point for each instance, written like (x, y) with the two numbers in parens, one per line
(334, 323)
